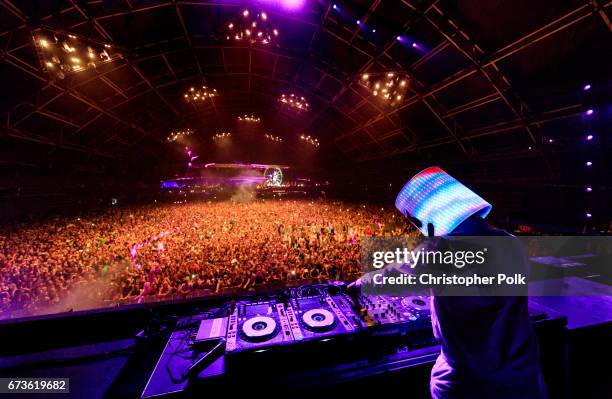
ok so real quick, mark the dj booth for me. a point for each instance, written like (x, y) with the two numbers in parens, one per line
(386, 344)
(318, 339)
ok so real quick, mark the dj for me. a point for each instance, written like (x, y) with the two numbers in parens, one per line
(488, 346)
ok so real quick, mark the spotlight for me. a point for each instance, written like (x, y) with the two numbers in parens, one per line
(273, 138)
(414, 45)
(589, 112)
(588, 215)
(335, 6)
(588, 189)
(61, 53)
(586, 87)
(220, 136)
(399, 38)
(589, 137)
(551, 141)
(296, 102)
(310, 140)
(253, 28)
(249, 118)
(374, 30)
(391, 87)
(177, 134)
(358, 22)
(589, 164)
(197, 94)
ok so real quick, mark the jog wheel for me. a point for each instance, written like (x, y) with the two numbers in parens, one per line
(259, 328)
(319, 320)
(417, 303)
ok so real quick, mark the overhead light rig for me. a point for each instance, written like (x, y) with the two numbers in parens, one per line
(251, 118)
(310, 140)
(178, 134)
(197, 94)
(274, 138)
(297, 103)
(391, 87)
(221, 135)
(251, 28)
(62, 53)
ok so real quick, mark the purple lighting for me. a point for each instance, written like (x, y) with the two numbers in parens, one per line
(399, 38)
(586, 87)
(588, 189)
(589, 137)
(286, 4)
(335, 6)
(358, 22)
(415, 45)
(588, 215)
(589, 112)
(589, 164)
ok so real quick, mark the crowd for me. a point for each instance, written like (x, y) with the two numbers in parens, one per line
(161, 251)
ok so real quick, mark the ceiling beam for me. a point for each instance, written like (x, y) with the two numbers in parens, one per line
(454, 34)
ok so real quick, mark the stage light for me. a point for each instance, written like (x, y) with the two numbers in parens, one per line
(399, 38)
(297, 103)
(197, 94)
(310, 140)
(335, 6)
(358, 22)
(588, 189)
(551, 141)
(415, 45)
(589, 137)
(249, 118)
(391, 87)
(589, 112)
(221, 135)
(177, 134)
(586, 87)
(373, 30)
(255, 29)
(588, 164)
(274, 138)
(588, 215)
(61, 53)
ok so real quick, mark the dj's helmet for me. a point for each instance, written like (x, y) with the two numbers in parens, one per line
(436, 203)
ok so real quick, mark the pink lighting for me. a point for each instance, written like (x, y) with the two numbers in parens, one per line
(588, 215)
(589, 189)
(589, 112)
(589, 137)
(589, 164)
